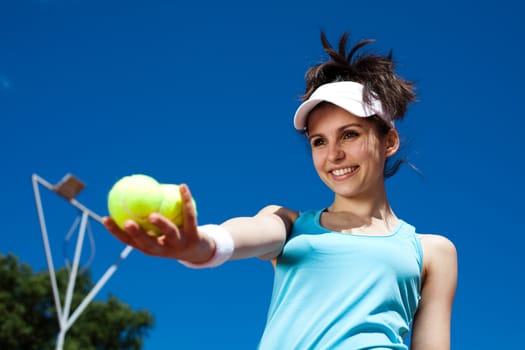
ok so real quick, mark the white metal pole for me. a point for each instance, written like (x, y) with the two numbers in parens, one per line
(65, 321)
(45, 240)
(60, 339)
(74, 268)
(101, 282)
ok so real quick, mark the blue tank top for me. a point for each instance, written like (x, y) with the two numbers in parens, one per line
(335, 290)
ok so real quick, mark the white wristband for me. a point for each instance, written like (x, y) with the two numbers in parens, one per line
(224, 247)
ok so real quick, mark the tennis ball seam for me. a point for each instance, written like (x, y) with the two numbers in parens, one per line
(128, 211)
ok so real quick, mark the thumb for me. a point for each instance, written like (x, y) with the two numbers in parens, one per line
(189, 214)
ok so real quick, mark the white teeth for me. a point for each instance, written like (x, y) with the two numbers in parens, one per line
(340, 172)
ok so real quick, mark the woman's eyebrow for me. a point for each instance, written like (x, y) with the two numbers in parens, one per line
(341, 128)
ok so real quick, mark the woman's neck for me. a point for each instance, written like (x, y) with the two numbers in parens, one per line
(353, 215)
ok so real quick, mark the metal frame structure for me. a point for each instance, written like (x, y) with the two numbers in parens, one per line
(68, 188)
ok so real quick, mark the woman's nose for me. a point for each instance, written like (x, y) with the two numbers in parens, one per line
(336, 153)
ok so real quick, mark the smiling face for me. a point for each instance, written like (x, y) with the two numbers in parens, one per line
(348, 152)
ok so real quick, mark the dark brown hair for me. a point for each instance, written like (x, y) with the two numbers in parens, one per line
(375, 72)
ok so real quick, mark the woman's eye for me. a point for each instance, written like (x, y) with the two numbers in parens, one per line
(348, 134)
(317, 142)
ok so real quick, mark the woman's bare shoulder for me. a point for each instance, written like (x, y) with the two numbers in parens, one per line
(289, 214)
(436, 242)
(439, 252)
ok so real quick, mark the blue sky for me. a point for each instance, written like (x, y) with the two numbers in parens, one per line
(204, 93)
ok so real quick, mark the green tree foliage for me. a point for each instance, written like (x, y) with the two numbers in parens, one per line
(28, 319)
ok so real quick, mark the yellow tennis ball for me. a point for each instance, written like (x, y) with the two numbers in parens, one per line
(171, 206)
(135, 197)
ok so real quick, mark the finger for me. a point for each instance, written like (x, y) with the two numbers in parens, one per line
(135, 236)
(109, 223)
(165, 226)
(113, 228)
(188, 211)
(143, 241)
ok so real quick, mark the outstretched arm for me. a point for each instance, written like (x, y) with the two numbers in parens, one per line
(431, 328)
(261, 235)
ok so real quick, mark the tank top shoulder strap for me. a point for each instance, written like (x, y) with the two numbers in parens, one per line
(408, 232)
(308, 222)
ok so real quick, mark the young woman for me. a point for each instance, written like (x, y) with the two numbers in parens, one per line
(351, 275)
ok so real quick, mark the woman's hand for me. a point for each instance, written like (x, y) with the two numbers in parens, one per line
(182, 243)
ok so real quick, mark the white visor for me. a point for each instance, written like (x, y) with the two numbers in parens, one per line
(345, 94)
